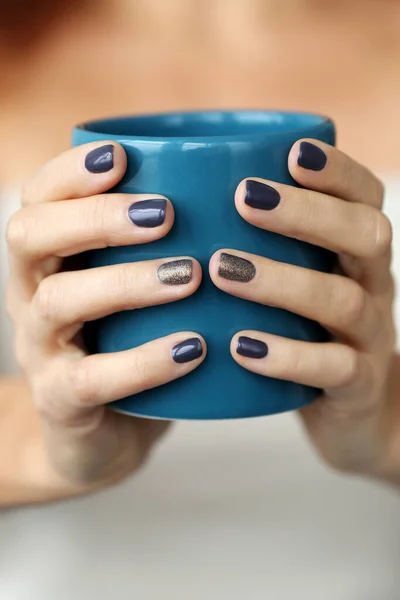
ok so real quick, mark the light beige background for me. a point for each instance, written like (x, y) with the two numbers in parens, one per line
(225, 511)
(339, 57)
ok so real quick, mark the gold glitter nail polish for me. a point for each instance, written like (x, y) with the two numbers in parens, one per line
(235, 268)
(175, 272)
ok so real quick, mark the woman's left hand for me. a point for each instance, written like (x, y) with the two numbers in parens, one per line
(355, 422)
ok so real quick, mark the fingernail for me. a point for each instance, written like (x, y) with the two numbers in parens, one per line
(251, 348)
(187, 350)
(175, 272)
(100, 160)
(235, 268)
(148, 213)
(260, 195)
(311, 157)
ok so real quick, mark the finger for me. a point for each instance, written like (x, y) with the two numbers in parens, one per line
(340, 226)
(102, 378)
(361, 235)
(337, 302)
(318, 166)
(72, 298)
(328, 365)
(82, 171)
(66, 228)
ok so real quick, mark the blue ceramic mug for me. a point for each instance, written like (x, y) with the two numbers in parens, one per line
(197, 159)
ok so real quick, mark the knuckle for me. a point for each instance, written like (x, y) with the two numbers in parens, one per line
(47, 300)
(377, 233)
(349, 365)
(383, 236)
(84, 388)
(45, 397)
(17, 233)
(353, 299)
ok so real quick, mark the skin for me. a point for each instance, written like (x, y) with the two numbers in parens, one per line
(78, 444)
(122, 56)
(89, 446)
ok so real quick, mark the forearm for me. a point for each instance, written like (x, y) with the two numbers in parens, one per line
(26, 476)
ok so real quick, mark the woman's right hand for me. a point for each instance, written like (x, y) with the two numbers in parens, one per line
(65, 211)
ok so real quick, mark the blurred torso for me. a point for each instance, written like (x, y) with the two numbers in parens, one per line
(226, 510)
(153, 55)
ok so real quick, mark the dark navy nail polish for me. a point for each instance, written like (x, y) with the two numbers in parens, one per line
(148, 213)
(100, 160)
(187, 350)
(251, 348)
(260, 195)
(311, 157)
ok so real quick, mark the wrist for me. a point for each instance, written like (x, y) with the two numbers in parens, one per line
(388, 469)
(26, 473)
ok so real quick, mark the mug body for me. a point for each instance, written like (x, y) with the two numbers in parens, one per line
(197, 160)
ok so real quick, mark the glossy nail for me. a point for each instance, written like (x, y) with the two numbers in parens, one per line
(100, 160)
(251, 348)
(260, 195)
(175, 272)
(148, 213)
(235, 268)
(187, 350)
(311, 157)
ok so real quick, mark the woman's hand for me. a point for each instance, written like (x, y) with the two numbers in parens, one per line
(64, 212)
(355, 422)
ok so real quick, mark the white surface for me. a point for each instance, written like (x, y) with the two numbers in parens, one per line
(224, 511)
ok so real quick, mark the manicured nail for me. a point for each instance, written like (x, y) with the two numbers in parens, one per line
(260, 195)
(251, 348)
(148, 213)
(187, 350)
(311, 157)
(235, 268)
(175, 272)
(100, 160)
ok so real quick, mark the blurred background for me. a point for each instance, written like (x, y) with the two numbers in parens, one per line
(226, 510)
(64, 61)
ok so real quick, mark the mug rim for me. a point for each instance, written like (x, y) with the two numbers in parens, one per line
(97, 128)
